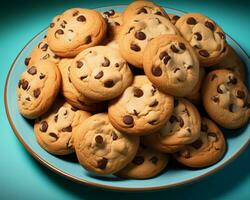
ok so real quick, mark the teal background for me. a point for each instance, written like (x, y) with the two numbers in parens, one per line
(22, 177)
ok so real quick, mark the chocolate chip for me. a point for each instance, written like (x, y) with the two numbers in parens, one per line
(81, 18)
(154, 160)
(109, 83)
(175, 19)
(154, 103)
(135, 47)
(189, 67)
(212, 134)
(46, 56)
(109, 13)
(79, 64)
(74, 109)
(53, 135)
(174, 49)
(45, 47)
(204, 128)
(127, 119)
(42, 76)
(196, 46)
(142, 10)
(186, 154)
(156, 71)
(140, 35)
(176, 102)
(158, 13)
(180, 120)
(191, 21)
(219, 90)
(209, 25)
(198, 36)
(153, 122)
(138, 92)
(213, 77)
(67, 129)
(182, 46)
(172, 119)
(222, 35)
(83, 77)
(135, 112)
(117, 65)
(65, 113)
(32, 70)
(176, 69)
(153, 90)
(204, 53)
(43, 126)
(59, 32)
(52, 25)
(26, 61)
(25, 84)
(130, 29)
(114, 136)
(240, 94)
(101, 164)
(75, 13)
(224, 49)
(106, 62)
(56, 118)
(28, 98)
(215, 99)
(138, 160)
(232, 80)
(36, 92)
(197, 144)
(163, 54)
(99, 75)
(99, 139)
(88, 39)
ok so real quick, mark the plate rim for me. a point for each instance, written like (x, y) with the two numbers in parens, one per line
(98, 185)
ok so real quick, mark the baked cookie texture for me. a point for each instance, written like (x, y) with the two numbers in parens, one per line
(102, 149)
(171, 64)
(142, 109)
(182, 128)
(205, 151)
(37, 89)
(41, 52)
(138, 8)
(233, 62)
(136, 33)
(54, 131)
(75, 30)
(226, 99)
(72, 95)
(146, 164)
(100, 73)
(207, 38)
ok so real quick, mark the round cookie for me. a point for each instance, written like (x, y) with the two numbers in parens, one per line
(182, 128)
(146, 164)
(38, 88)
(173, 18)
(55, 130)
(138, 8)
(171, 64)
(71, 94)
(195, 95)
(100, 73)
(75, 30)
(205, 36)
(100, 148)
(232, 62)
(136, 33)
(41, 52)
(226, 99)
(142, 109)
(205, 151)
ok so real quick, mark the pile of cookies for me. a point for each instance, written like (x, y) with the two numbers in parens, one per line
(133, 89)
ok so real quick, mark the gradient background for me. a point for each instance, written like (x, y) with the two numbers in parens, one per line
(22, 177)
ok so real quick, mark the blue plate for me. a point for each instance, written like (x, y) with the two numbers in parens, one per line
(68, 167)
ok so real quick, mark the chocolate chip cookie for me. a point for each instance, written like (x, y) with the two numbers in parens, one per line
(205, 151)
(41, 52)
(75, 30)
(38, 88)
(171, 64)
(226, 99)
(182, 128)
(136, 33)
(138, 8)
(55, 130)
(100, 73)
(146, 164)
(142, 109)
(71, 94)
(102, 149)
(207, 38)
